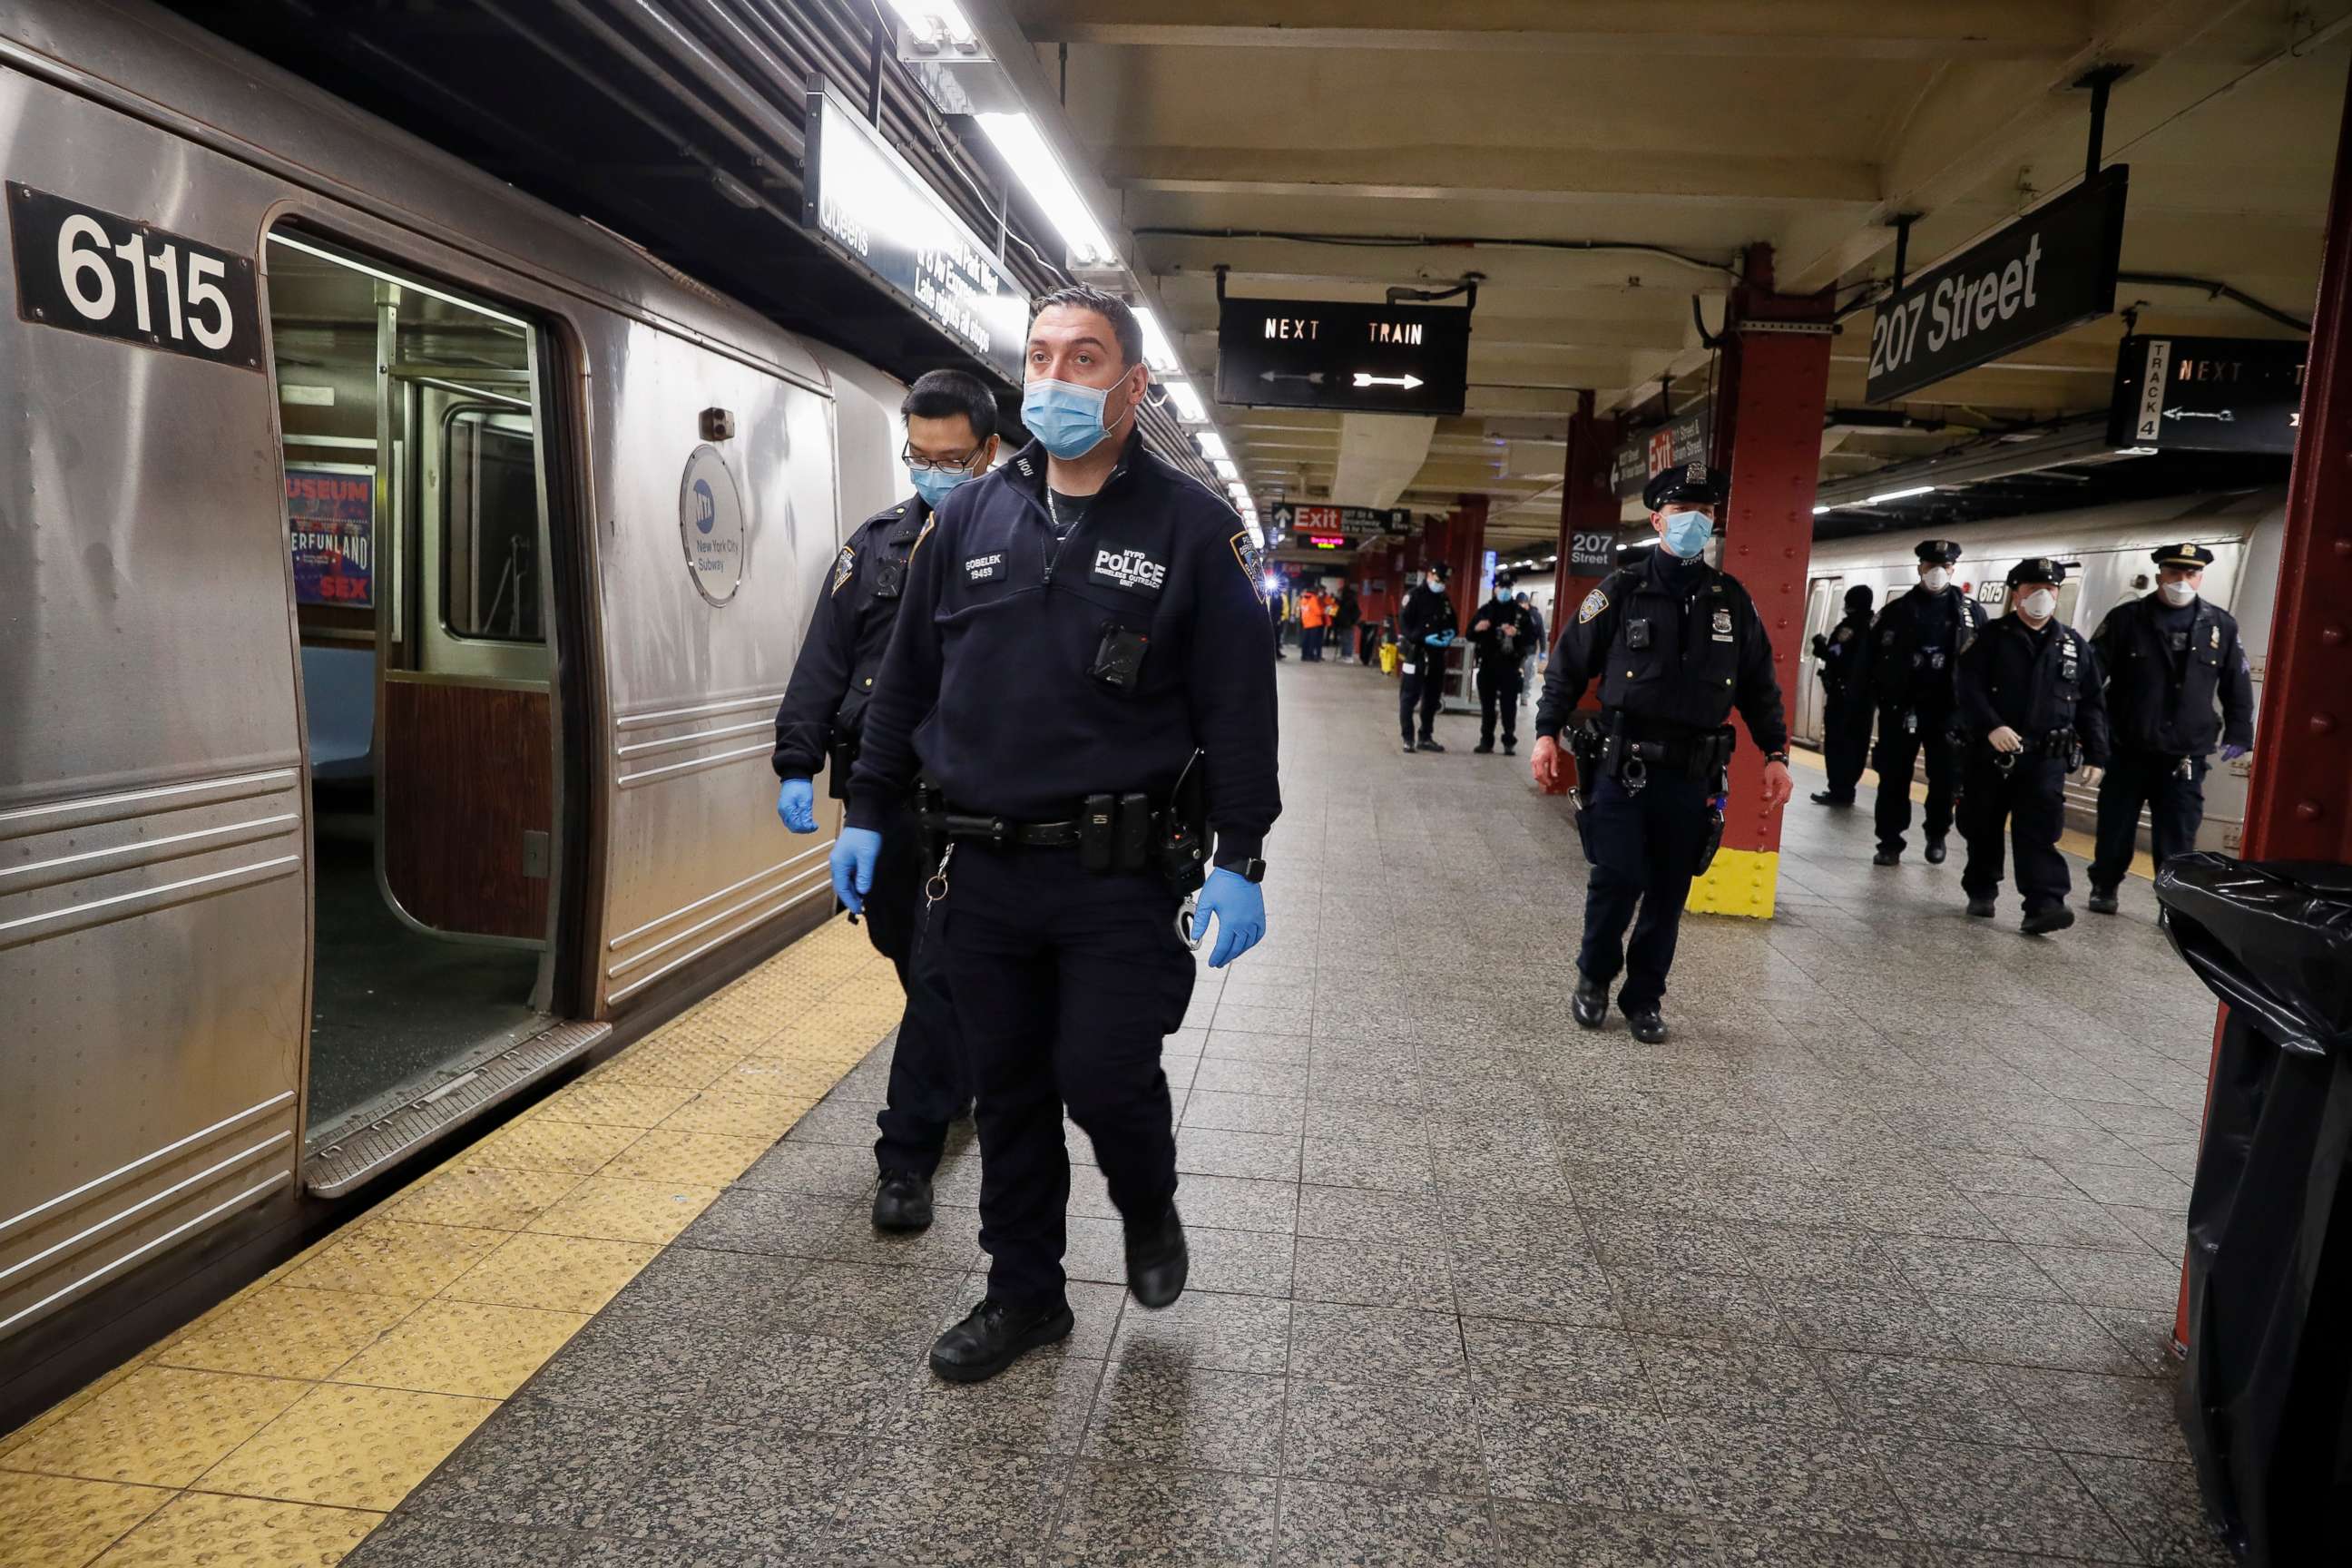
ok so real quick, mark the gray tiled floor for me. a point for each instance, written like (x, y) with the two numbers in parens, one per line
(1871, 1264)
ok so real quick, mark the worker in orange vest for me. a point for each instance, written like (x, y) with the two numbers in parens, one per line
(1313, 611)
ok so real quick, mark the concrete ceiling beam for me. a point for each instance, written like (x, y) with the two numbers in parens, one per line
(1427, 172)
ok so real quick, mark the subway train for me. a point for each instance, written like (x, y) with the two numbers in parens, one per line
(398, 578)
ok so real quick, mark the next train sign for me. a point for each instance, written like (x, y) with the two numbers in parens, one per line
(2052, 270)
(1357, 359)
(2209, 394)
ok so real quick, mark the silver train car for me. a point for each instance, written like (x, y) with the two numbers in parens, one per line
(2105, 550)
(398, 581)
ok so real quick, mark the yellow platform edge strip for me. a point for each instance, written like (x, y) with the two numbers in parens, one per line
(284, 1424)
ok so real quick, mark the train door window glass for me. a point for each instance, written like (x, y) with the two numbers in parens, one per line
(2070, 594)
(489, 523)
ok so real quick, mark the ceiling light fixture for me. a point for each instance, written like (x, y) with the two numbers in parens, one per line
(1211, 445)
(1049, 186)
(1158, 352)
(936, 25)
(1189, 406)
(1881, 498)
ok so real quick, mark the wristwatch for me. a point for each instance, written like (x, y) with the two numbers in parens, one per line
(1250, 871)
(1779, 757)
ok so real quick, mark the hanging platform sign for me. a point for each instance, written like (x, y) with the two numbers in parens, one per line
(1678, 441)
(873, 210)
(2052, 270)
(1351, 523)
(1356, 359)
(2208, 395)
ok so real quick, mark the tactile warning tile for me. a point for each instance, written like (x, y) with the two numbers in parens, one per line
(348, 1447)
(285, 1330)
(160, 1427)
(49, 1521)
(808, 1076)
(763, 1116)
(701, 1157)
(491, 1197)
(670, 1066)
(535, 1143)
(620, 1208)
(462, 1347)
(392, 1257)
(241, 1532)
(614, 1102)
(566, 1273)
(10, 1441)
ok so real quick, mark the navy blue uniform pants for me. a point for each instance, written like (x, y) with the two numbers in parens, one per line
(1423, 689)
(1498, 690)
(930, 1084)
(1066, 984)
(1899, 746)
(1845, 740)
(1645, 847)
(2176, 805)
(2027, 802)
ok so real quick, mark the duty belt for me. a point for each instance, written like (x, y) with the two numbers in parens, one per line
(2063, 745)
(953, 824)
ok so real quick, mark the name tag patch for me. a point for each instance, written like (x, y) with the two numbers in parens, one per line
(983, 568)
(1129, 569)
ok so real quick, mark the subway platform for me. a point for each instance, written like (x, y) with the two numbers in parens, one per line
(1873, 1262)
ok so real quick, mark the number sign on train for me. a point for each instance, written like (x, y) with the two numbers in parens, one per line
(87, 271)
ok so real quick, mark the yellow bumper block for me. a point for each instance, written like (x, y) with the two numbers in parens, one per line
(1740, 882)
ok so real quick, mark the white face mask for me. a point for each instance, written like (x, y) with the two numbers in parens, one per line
(2180, 592)
(1935, 579)
(2041, 604)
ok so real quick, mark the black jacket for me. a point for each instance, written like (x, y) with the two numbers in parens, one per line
(1493, 646)
(1426, 610)
(1534, 640)
(1843, 656)
(842, 654)
(1351, 612)
(2036, 683)
(1906, 640)
(1675, 646)
(988, 686)
(2160, 696)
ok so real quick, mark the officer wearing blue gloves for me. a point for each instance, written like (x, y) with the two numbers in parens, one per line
(1425, 629)
(951, 441)
(1080, 670)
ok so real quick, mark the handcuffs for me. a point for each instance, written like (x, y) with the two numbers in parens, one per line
(1184, 913)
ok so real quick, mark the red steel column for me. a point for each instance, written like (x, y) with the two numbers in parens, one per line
(2299, 799)
(1774, 392)
(1465, 553)
(1587, 504)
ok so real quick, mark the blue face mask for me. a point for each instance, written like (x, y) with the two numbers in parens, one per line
(1067, 417)
(1687, 533)
(933, 484)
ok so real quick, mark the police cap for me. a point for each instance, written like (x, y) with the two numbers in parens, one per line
(1683, 482)
(1438, 567)
(1938, 552)
(1503, 581)
(2195, 557)
(1860, 597)
(2037, 569)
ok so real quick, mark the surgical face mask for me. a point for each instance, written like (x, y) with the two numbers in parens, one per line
(1067, 417)
(2041, 604)
(1935, 579)
(1436, 583)
(933, 484)
(1687, 533)
(2180, 592)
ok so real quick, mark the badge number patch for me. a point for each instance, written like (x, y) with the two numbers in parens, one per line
(1594, 603)
(1723, 625)
(984, 568)
(844, 566)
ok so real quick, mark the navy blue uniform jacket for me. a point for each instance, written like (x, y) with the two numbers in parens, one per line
(986, 687)
(842, 655)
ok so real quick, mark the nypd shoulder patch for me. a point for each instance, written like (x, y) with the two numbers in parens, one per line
(1594, 603)
(1251, 560)
(844, 566)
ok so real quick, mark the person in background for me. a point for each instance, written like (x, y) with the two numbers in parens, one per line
(1501, 635)
(1915, 655)
(2029, 705)
(1425, 631)
(1310, 625)
(951, 441)
(1840, 659)
(1276, 613)
(1344, 620)
(2168, 658)
(1535, 648)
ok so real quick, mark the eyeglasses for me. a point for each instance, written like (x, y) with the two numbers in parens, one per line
(963, 464)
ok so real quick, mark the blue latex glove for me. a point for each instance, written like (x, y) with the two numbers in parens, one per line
(854, 854)
(1439, 639)
(2231, 753)
(1240, 909)
(796, 804)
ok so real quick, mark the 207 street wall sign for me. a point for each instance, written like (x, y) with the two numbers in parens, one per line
(2051, 270)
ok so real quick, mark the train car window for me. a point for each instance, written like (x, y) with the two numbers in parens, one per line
(489, 523)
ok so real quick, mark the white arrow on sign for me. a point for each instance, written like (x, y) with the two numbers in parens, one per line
(1366, 378)
(2226, 415)
(1312, 377)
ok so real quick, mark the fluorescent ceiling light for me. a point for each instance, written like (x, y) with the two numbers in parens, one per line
(1819, 509)
(1240, 492)
(1225, 468)
(1883, 499)
(1158, 352)
(1189, 406)
(1211, 445)
(935, 22)
(1040, 174)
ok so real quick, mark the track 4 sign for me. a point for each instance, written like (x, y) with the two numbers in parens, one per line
(2209, 394)
(84, 270)
(1358, 359)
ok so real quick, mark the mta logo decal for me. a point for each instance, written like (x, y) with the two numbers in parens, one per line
(706, 507)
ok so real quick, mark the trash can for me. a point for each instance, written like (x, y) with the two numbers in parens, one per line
(2266, 1400)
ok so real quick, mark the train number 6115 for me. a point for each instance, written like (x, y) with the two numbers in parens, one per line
(86, 270)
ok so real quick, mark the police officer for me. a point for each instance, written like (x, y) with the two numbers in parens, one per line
(951, 441)
(1425, 629)
(1676, 645)
(2030, 711)
(2166, 657)
(1077, 662)
(1502, 632)
(1915, 653)
(1840, 658)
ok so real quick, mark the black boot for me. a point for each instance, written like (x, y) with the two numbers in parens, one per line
(1935, 851)
(1158, 1260)
(1831, 797)
(1410, 748)
(1981, 908)
(1648, 1024)
(1511, 748)
(2103, 901)
(902, 1201)
(995, 1336)
(1428, 744)
(1484, 748)
(2047, 919)
(1886, 858)
(1591, 1003)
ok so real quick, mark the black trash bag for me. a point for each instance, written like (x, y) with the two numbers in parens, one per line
(2266, 1399)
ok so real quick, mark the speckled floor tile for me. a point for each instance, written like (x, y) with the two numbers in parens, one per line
(1383, 1164)
(1125, 1516)
(1936, 1263)
(1373, 1344)
(538, 1464)
(1271, 1115)
(1188, 1417)
(1574, 1365)
(966, 1507)
(1757, 1546)
(1252, 1263)
(2158, 1505)
(2021, 1499)
(1355, 1214)
(1890, 1322)
(1695, 1306)
(1038, 1405)
(1565, 1290)
(1786, 1474)
(1538, 1449)
(1420, 1436)
(1234, 1203)
(2098, 1279)
(1328, 1526)
(1209, 1329)
(1747, 1381)
(1557, 1535)
(430, 1541)
(1258, 1156)
(2030, 1333)
(1373, 1273)
(1915, 1396)
(696, 1285)
(742, 1488)
(2083, 1413)
(836, 1170)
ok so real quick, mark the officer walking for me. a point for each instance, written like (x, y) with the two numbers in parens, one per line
(951, 441)
(2030, 706)
(2166, 657)
(1425, 629)
(1840, 658)
(1079, 672)
(1502, 632)
(1915, 647)
(1676, 645)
